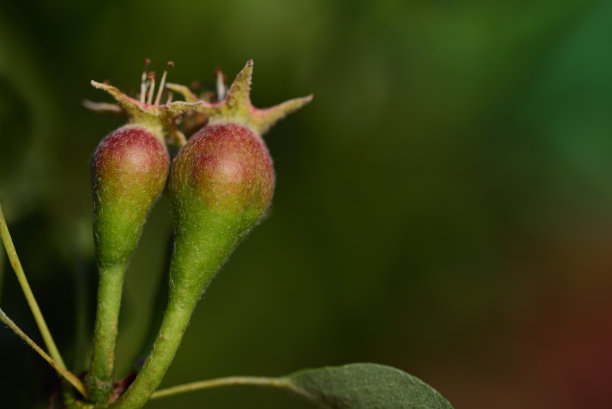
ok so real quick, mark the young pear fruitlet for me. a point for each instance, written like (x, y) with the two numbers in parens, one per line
(129, 170)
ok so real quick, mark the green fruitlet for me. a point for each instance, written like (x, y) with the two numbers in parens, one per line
(129, 171)
(221, 183)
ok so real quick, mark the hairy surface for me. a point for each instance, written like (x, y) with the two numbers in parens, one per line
(129, 170)
(226, 167)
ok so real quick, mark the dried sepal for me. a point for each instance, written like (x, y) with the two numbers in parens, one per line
(236, 106)
(147, 110)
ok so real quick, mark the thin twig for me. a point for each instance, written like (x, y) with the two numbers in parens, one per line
(229, 381)
(27, 291)
(74, 381)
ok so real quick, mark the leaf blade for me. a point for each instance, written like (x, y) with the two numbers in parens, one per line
(366, 386)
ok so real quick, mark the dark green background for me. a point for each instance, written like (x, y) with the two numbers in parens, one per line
(443, 206)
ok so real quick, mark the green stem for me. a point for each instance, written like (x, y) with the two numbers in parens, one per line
(27, 291)
(193, 265)
(166, 344)
(74, 381)
(281, 383)
(100, 376)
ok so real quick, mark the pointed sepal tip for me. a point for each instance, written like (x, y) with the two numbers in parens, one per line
(237, 107)
(160, 119)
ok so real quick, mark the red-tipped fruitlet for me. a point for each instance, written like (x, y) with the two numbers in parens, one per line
(129, 170)
(221, 183)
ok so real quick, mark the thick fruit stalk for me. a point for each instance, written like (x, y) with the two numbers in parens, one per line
(221, 183)
(129, 170)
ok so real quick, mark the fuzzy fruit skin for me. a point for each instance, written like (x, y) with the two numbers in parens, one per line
(224, 168)
(129, 170)
(222, 182)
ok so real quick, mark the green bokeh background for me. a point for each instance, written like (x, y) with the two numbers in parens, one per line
(443, 206)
